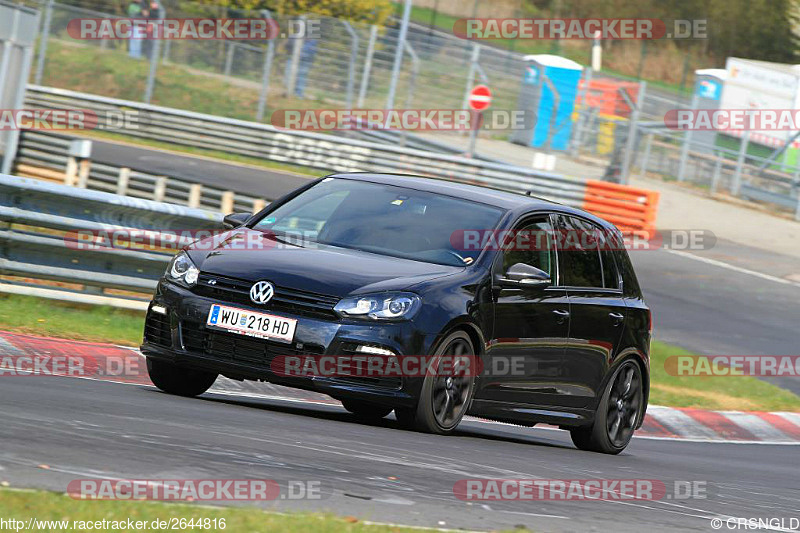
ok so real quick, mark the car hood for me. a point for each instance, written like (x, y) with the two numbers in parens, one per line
(253, 256)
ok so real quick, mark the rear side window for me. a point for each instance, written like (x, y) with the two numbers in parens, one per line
(579, 254)
(609, 248)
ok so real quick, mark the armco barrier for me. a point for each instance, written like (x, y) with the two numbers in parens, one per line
(628, 208)
(338, 154)
(38, 221)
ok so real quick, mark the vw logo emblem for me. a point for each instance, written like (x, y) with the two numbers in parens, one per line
(262, 292)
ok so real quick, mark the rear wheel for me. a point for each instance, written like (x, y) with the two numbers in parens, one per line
(366, 410)
(179, 381)
(617, 414)
(445, 396)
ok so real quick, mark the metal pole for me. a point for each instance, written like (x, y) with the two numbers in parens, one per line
(351, 78)
(646, 160)
(154, 55)
(715, 175)
(551, 125)
(736, 184)
(48, 17)
(270, 53)
(294, 62)
(583, 95)
(362, 91)
(229, 58)
(476, 52)
(414, 72)
(687, 140)
(473, 134)
(629, 142)
(398, 54)
(167, 48)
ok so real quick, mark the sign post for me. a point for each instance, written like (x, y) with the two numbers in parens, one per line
(479, 99)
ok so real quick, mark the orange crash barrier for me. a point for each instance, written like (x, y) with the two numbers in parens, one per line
(631, 209)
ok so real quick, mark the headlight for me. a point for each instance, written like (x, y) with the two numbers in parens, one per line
(181, 269)
(386, 306)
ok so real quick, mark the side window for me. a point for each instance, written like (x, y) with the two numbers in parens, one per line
(579, 253)
(531, 245)
(609, 248)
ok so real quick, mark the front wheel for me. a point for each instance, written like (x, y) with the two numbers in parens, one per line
(179, 381)
(445, 396)
(617, 414)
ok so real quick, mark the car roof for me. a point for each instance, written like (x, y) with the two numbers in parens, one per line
(517, 203)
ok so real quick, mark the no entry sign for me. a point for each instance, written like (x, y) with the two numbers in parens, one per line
(480, 98)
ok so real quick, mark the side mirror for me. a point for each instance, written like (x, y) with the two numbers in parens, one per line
(234, 220)
(522, 276)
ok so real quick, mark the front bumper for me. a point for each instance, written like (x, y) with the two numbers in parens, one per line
(180, 337)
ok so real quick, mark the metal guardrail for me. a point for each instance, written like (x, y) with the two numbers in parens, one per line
(320, 151)
(41, 229)
(45, 150)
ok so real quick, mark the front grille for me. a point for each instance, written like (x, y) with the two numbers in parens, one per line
(157, 330)
(238, 348)
(296, 302)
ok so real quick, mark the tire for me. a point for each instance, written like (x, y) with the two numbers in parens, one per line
(444, 399)
(366, 410)
(617, 413)
(179, 381)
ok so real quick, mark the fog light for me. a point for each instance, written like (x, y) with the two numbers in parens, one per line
(373, 350)
(160, 309)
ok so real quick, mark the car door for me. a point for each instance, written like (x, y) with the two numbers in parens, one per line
(593, 285)
(525, 355)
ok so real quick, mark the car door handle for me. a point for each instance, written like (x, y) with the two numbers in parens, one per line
(617, 318)
(562, 315)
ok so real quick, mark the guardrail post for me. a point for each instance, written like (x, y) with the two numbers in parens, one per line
(258, 205)
(123, 180)
(160, 190)
(84, 167)
(362, 91)
(227, 203)
(195, 193)
(71, 172)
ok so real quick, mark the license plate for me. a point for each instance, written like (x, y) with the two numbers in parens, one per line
(251, 323)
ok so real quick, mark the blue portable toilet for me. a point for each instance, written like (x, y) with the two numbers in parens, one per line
(537, 95)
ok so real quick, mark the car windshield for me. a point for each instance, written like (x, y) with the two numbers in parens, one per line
(382, 219)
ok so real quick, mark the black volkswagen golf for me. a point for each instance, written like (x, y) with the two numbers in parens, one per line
(403, 267)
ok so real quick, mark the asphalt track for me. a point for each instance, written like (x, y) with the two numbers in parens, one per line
(88, 429)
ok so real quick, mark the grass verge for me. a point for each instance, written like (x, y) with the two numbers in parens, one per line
(32, 315)
(22, 505)
(740, 393)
